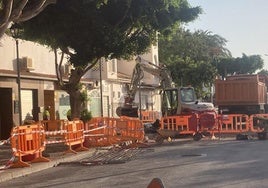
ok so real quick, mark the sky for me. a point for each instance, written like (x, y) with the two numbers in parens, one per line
(243, 23)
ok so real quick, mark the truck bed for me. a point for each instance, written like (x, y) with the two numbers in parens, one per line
(240, 90)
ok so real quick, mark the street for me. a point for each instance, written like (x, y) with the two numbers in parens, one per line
(181, 163)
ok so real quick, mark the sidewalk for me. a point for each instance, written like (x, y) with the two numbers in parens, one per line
(54, 152)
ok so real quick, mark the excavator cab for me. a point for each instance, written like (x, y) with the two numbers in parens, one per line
(187, 94)
(170, 102)
(177, 101)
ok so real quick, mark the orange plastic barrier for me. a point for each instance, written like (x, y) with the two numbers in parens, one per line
(208, 122)
(131, 129)
(53, 125)
(257, 125)
(149, 116)
(184, 124)
(234, 123)
(99, 132)
(74, 136)
(54, 129)
(108, 131)
(28, 140)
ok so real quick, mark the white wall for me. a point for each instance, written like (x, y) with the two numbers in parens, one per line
(43, 58)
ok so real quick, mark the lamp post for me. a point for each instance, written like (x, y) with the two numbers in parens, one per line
(15, 32)
(100, 66)
(140, 99)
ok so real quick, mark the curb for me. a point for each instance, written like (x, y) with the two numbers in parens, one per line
(11, 173)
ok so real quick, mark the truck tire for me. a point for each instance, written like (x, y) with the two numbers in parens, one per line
(262, 136)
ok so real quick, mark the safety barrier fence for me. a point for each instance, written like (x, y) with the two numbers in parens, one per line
(31, 140)
(213, 123)
(98, 132)
(108, 131)
(181, 124)
(150, 116)
(25, 141)
(259, 122)
(74, 136)
(234, 124)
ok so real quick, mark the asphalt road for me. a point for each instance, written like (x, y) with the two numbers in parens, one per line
(206, 163)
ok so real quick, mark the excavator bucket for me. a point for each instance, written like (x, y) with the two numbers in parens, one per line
(127, 111)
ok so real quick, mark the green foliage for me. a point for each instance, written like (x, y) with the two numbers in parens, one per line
(189, 56)
(86, 115)
(196, 58)
(87, 30)
(240, 65)
(84, 97)
(263, 72)
(69, 115)
(116, 29)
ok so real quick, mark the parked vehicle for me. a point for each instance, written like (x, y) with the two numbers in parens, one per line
(242, 94)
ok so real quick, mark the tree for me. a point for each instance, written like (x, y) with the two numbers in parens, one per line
(86, 32)
(263, 72)
(189, 56)
(240, 65)
(20, 10)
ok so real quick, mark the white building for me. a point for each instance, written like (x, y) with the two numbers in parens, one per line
(39, 85)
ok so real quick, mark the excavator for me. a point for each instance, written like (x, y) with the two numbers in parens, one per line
(175, 101)
(129, 108)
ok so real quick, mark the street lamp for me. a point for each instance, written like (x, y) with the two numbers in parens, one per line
(140, 99)
(100, 66)
(15, 32)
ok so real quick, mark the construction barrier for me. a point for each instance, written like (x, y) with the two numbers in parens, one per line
(54, 130)
(258, 122)
(53, 125)
(150, 116)
(25, 141)
(208, 122)
(131, 129)
(178, 125)
(183, 124)
(234, 124)
(99, 132)
(30, 140)
(74, 136)
(108, 131)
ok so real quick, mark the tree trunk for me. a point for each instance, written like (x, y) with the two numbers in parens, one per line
(72, 88)
(75, 103)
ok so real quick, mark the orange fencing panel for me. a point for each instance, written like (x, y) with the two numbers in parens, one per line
(54, 130)
(28, 140)
(132, 129)
(149, 116)
(208, 122)
(174, 125)
(74, 136)
(234, 123)
(258, 122)
(108, 131)
(99, 131)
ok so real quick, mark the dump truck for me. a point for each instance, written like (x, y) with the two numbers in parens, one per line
(241, 94)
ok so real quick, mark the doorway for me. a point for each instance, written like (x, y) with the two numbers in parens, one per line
(6, 116)
(49, 101)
